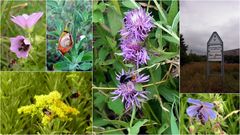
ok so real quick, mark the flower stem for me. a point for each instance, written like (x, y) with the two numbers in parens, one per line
(133, 115)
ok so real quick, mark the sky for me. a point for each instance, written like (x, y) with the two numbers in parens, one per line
(199, 19)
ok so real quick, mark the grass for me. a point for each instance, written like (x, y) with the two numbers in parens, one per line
(36, 60)
(193, 78)
(19, 88)
(226, 107)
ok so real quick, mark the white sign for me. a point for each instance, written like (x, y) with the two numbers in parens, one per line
(215, 48)
(215, 39)
(215, 52)
(215, 56)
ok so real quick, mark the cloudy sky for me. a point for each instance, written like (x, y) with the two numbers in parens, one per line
(199, 19)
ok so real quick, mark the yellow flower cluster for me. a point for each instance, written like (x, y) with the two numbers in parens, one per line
(48, 107)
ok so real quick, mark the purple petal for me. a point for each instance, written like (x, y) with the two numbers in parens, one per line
(192, 110)
(204, 115)
(19, 20)
(210, 113)
(209, 105)
(16, 44)
(33, 18)
(194, 101)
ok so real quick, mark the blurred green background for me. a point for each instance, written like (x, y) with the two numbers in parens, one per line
(19, 88)
(36, 61)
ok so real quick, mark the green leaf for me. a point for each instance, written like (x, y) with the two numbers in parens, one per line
(80, 56)
(85, 66)
(103, 52)
(175, 23)
(130, 4)
(158, 35)
(101, 6)
(88, 56)
(108, 62)
(170, 39)
(135, 129)
(115, 21)
(118, 122)
(98, 16)
(163, 128)
(99, 101)
(163, 56)
(111, 42)
(62, 65)
(116, 6)
(116, 106)
(174, 127)
(172, 12)
(168, 93)
(160, 9)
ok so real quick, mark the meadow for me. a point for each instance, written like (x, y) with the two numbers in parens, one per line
(193, 78)
(20, 88)
(36, 35)
(159, 113)
(75, 19)
(226, 106)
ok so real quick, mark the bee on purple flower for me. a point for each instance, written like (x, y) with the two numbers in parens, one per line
(201, 110)
(127, 90)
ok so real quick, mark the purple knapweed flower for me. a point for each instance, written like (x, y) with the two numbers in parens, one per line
(201, 110)
(27, 21)
(21, 46)
(127, 91)
(130, 96)
(137, 24)
(133, 52)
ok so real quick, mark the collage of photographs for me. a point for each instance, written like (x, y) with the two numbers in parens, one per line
(133, 67)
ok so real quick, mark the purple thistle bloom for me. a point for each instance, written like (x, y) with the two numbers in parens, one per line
(27, 21)
(201, 110)
(137, 24)
(132, 51)
(130, 96)
(21, 46)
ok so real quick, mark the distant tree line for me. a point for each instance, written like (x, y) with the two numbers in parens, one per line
(191, 57)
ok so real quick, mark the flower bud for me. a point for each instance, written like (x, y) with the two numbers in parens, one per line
(65, 42)
(192, 129)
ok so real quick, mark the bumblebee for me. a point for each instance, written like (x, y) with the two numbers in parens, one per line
(125, 78)
(200, 116)
(24, 47)
(75, 95)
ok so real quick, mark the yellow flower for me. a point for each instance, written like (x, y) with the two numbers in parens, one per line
(49, 106)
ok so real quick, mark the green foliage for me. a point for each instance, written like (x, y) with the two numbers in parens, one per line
(75, 17)
(37, 55)
(159, 113)
(226, 107)
(19, 89)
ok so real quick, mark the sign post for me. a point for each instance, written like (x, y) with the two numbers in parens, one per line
(215, 53)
